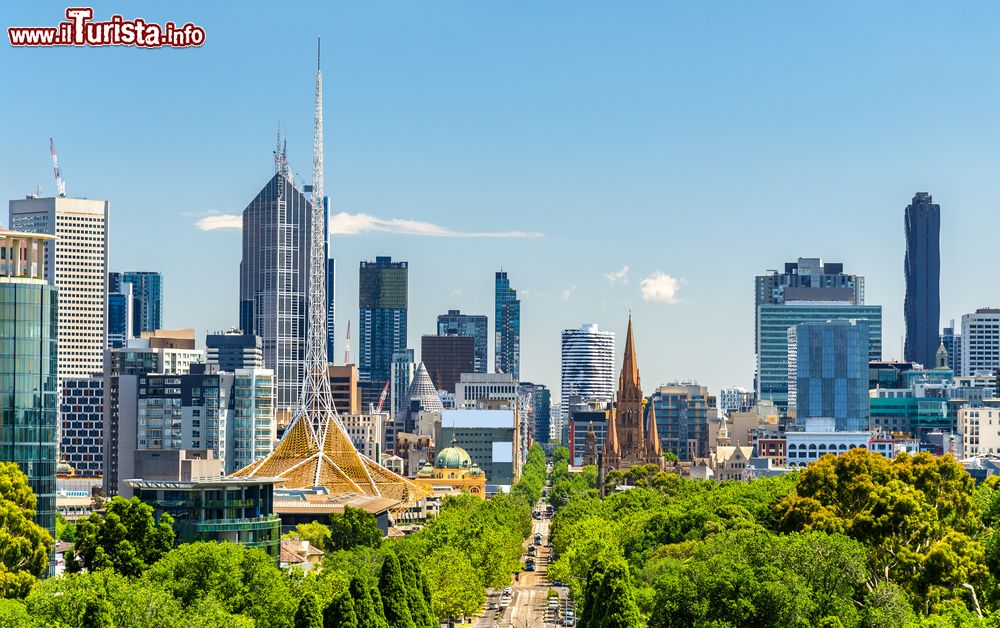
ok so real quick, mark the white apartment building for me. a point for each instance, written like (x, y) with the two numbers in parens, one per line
(588, 366)
(472, 388)
(979, 429)
(981, 341)
(80, 273)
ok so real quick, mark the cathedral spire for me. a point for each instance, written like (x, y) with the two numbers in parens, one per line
(611, 450)
(652, 434)
(630, 369)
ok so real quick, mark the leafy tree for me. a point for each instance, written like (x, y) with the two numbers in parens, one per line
(458, 589)
(14, 614)
(126, 538)
(613, 605)
(354, 527)
(339, 613)
(245, 580)
(317, 534)
(96, 614)
(419, 607)
(65, 531)
(24, 545)
(394, 599)
(308, 615)
(380, 619)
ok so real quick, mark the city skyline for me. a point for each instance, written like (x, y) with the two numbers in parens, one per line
(684, 339)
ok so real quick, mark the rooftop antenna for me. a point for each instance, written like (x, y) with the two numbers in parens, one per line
(60, 184)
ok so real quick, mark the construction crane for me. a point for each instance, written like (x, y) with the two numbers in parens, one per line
(381, 401)
(347, 345)
(60, 184)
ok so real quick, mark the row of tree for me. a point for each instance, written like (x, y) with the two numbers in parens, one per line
(854, 540)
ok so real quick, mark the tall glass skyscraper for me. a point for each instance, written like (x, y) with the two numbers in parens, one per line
(454, 323)
(508, 328)
(274, 277)
(147, 298)
(773, 322)
(828, 372)
(922, 270)
(28, 367)
(382, 301)
(120, 318)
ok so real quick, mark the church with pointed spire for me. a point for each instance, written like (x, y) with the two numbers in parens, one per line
(632, 438)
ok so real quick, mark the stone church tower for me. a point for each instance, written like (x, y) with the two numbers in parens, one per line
(632, 438)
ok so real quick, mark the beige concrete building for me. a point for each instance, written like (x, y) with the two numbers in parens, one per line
(979, 429)
(80, 272)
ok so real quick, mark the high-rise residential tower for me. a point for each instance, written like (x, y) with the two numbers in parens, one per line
(120, 315)
(922, 270)
(382, 300)
(79, 273)
(508, 328)
(588, 365)
(981, 341)
(274, 279)
(147, 298)
(28, 359)
(454, 323)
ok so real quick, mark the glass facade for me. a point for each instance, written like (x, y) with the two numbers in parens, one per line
(507, 326)
(147, 298)
(382, 300)
(454, 323)
(773, 322)
(28, 392)
(682, 418)
(922, 270)
(828, 372)
(81, 415)
(543, 413)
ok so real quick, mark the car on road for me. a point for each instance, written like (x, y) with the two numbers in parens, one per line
(508, 591)
(558, 583)
(529, 566)
(568, 621)
(531, 550)
(538, 539)
(492, 606)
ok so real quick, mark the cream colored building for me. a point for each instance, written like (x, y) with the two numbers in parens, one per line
(979, 429)
(80, 272)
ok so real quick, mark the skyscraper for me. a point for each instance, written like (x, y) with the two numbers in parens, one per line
(828, 372)
(120, 317)
(454, 323)
(382, 300)
(922, 270)
(588, 365)
(508, 328)
(274, 279)
(981, 341)
(79, 273)
(331, 317)
(446, 358)
(683, 415)
(147, 298)
(233, 350)
(28, 362)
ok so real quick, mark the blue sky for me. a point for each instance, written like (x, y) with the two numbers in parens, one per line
(704, 142)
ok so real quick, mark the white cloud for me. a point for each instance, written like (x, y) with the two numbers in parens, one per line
(567, 292)
(346, 224)
(615, 277)
(659, 287)
(220, 221)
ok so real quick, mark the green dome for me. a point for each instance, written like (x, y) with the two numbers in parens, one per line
(453, 457)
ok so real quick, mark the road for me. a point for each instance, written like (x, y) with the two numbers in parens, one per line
(529, 607)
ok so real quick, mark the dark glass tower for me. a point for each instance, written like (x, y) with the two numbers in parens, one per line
(454, 323)
(508, 328)
(28, 368)
(922, 269)
(382, 301)
(147, 298)
(274, 279)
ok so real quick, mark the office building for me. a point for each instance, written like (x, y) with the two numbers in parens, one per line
(344, 388)
(382, 299)
(274, 275)
(366, 432)
(588, 364)
(772, 340)
(403, 368)
(120, 316)
(979, 431)
(490, 437)
(233, 350)
(454, 323)
(951, 340)
(446, 358)
(684, 414)
(165, 352)
(828, 372)
(536, 409)
(507, 327)
(473, 388)
(735, 399)
(583, 418)
(922, 270)
(147, 298)
(77, 264)
(981, 341)
(28, 366)
(81, 421)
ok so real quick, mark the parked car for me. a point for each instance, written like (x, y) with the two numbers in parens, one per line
(558, 583)
(529, 566)
(492, 606)
(568, 621)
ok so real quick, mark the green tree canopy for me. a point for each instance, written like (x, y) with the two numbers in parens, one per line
(308, 615)
(126, 538)
(352, 528)
(339, 613)
(24, 545)
(458, 589)
(395, 604)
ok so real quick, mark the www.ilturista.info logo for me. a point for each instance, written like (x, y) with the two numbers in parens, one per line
(79, 29)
